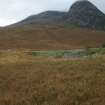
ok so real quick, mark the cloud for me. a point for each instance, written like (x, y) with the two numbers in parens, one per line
(100, 4)
(12, 11)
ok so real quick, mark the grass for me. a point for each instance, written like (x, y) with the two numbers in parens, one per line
(50, 37)
(29, 80)
(49, 53)
(70, 53)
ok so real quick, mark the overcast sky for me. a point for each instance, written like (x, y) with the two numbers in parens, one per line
(12, 11)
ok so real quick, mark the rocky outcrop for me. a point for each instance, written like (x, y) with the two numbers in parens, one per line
(85, 14)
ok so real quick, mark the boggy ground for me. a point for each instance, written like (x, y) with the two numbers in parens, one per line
(30, 80)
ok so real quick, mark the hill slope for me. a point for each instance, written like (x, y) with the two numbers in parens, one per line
(44, 18)
(50, 38)
(85, 14)
(82, 13)
(53, 30)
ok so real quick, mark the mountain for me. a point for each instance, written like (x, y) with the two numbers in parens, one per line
(82, 13)
(53, 30)
(44, 18)
(85, 14)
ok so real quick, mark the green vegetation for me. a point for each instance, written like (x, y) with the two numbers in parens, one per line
(70, 53)
(49, 53)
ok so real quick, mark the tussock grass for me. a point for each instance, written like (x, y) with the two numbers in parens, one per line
(29, 80)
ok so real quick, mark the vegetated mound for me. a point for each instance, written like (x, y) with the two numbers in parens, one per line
(84, 13)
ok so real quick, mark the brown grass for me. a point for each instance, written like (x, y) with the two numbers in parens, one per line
(28, 80)
(50, 38)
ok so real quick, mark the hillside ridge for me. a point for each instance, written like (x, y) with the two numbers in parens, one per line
(82, 13)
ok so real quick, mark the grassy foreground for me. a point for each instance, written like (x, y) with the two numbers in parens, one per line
(32, 80)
